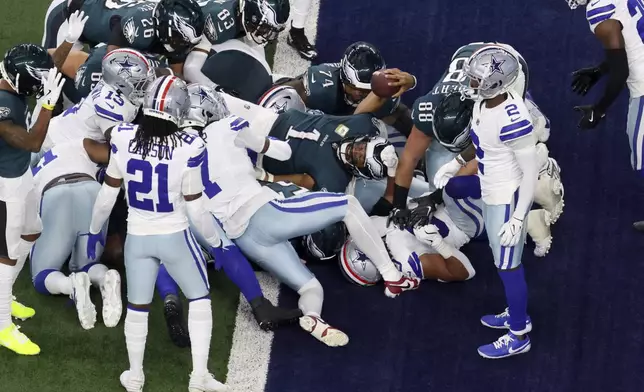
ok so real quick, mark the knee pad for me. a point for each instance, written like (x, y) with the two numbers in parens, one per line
(39, 281)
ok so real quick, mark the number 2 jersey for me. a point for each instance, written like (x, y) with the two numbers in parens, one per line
(155, 185)
(630, 14)
(91, 117)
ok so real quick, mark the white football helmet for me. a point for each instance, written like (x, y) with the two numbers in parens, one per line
(356, 266)
(206, 106)
(490, 72)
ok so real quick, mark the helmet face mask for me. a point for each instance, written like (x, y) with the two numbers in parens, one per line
(361, 156)
(359, 62)
(24, 67)
(264, 20)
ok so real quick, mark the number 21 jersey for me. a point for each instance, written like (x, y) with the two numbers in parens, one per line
(155, 185)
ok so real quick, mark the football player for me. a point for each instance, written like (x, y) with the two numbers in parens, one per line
(159, 165)
(65, 179)
(296, 36)
(616, 25)
(26, 70)
(505, 145)
(247, 211)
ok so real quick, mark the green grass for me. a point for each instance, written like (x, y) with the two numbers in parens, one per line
(75, 360)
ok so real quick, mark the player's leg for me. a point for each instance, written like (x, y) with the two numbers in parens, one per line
(635, 132)
(435, 158)
(168, 290)
(368, 192)
(508, 263)
(55, 24)
(141, 268)
(185, 262)
(282, 261)
(296, 37)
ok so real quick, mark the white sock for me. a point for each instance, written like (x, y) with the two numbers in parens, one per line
(97, 274)
(311, 298)
(367, 239)
(6, 283)
(20, 263)
(136, 333)
(200, 328)
(57, 283)
(300, 11)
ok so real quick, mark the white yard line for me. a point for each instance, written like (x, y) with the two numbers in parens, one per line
(287, 61)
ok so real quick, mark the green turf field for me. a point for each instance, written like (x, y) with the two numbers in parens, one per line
(75, 360)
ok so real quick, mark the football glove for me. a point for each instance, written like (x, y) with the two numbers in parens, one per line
(399, 217)
(446, 172)
(590, 116)
(584, 79)
(431, 236)
(421, 210)
(92, 241)
(76, 23)
(510, 232)
(390, 159)
(52, 88)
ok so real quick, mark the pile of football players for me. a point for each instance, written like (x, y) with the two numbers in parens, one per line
(171, 144)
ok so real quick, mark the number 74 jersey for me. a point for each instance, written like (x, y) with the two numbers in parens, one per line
(155, 186)
(630, 13)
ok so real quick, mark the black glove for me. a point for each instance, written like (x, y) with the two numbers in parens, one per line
(584, 79)
(590, 118)
(420, 214)
(399, 217)
(382, 208)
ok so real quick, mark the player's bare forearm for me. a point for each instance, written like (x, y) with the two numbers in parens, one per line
(74, 60)
(469, 153)
(97, 152)
(177, 69)
(61, 53)
(371, 104)
(389, 191)
(469, 170)
(303, 180)
(18, 137)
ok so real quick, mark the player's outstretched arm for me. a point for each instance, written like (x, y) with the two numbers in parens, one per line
(609, 33)
(256, 141)
(194, 63)
(106, 197)
(97, 152)
(76, 23)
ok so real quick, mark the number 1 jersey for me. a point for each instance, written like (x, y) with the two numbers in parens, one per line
(155, 185)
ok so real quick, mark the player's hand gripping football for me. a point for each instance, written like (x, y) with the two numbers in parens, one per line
(510, 232)
(76, 23)
(403, 80)
(52, 88)
(584, 79)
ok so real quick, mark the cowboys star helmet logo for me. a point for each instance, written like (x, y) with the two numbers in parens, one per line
(125, 66)
(4, 112)
(185, 29)
(204, 96)
(495, 66)
(130, 31)
(362, 258)
(37, 73)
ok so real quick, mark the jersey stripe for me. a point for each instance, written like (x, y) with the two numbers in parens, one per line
(515, 126)
(600, 14)
(515, 135)
(107, 114)
(196, 161)
(165, 89)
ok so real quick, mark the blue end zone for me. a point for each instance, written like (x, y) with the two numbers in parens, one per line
(585, 296)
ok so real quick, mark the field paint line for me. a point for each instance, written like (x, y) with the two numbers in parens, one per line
(250, 353)
(287, 61)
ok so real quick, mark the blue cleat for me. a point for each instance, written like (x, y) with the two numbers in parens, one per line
(506, 346)
(502, 321)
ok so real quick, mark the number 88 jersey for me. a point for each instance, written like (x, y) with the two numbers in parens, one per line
(631, 16)
(155, 185)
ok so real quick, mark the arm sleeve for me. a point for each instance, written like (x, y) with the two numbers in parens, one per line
(525, 152)
(617, 64)
(203, 221)
(277, 149)
(103, 207)
(194, 63)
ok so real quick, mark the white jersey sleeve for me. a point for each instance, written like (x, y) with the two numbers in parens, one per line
(192, 182)
(110, 108)
(598, 11)
(517, 121)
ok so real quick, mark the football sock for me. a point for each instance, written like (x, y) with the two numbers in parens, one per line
(96, 274)
(300, 11)
(165, 284)
(200, 328)
(6, 283)
(57, 283)
(20, 263)
(367, 239)
(516, 293)
(136, 333)
(240, 272)
(311, 298)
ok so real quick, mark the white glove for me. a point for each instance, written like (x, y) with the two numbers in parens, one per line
(510, 232)
(446, 172)
(263, 175)
(431, 236)
(390, 159)
(52, 88)
(76, 23)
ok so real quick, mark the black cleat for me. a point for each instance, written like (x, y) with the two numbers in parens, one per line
(639, 226)
(173, 313)
(297, 39)
(270, 317)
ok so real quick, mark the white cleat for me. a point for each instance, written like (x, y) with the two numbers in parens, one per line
(539, 231)
(80, 295)
(132, 383)
(550, 191)
(206, 383)
(323, 332)
(112, 303)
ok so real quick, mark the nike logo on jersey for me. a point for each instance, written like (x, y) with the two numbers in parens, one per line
(312, 78)
(594, 2)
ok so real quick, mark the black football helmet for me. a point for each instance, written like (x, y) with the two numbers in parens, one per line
(179, 24)
(451, 125)
(263, 20)
(326, 243)
(24, 66)
(359, 62)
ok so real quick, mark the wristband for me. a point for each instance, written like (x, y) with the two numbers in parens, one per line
(460, 160)
(48, 107)
(400, 196)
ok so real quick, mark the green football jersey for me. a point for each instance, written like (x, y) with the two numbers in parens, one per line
(14, 162)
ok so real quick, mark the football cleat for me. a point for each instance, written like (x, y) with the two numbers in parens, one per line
(270, 317)
(177, 329)
(112, 303)
(323, 332)
(550, 190)
(131, 382)
(20, 311)
(394, 289)
(206, 383)
(298, 41)
(80, 295)
(502, 321)
(506, 346)
(539, 231)
(18, 342)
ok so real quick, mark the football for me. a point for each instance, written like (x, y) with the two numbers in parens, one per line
(380, 85)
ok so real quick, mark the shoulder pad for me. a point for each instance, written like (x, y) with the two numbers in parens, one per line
(598, 11)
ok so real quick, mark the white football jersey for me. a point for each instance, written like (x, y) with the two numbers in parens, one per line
(91, 117)
(629, 14)
(230, 184)
(64, 158)
(154, 186)
(491, 129)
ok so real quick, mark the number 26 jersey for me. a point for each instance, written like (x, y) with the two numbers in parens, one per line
(155, 185)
